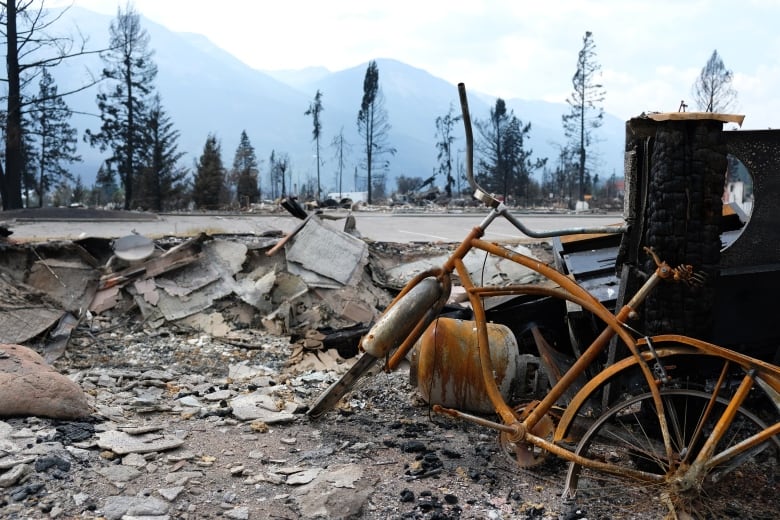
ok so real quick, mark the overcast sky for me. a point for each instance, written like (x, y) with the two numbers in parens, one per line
(650, 52)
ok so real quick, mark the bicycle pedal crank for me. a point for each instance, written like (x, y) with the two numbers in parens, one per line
(525, 454)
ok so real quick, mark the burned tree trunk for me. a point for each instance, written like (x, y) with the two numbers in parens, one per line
(682, 221)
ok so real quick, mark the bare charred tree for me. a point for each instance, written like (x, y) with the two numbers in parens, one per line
(585, 115)
(129, 73)
(444, 129)
(314, 110)
(374, 128)
(341, 147)
(712, 90)
(29, 48)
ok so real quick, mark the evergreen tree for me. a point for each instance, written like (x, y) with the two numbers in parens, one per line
(374, 129)
(52, 138)
(444, 126)
(106, 189)
(713, 91)
(79, 193)
(273, 175)
(162, 180)
(282, 169)
(245, 169)
(314, 110)
(585, 114)
(518, 161)
(504, 163)
(129, 73)
(209, 185)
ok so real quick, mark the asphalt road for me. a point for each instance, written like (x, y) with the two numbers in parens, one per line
(388, 227)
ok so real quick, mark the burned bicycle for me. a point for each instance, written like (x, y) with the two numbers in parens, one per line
(664, 441)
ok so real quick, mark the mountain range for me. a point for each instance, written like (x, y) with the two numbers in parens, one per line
(205, 90)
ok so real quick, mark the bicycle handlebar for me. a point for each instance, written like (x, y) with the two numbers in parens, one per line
(498, 206)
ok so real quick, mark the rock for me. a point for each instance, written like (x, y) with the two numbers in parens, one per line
(303, 477)
(14, 475)
(118, 507)
(122, 443)
(119, 473)
(257, 406)
(321, 499)
(30, 387)
(170, 494)
(238, 513)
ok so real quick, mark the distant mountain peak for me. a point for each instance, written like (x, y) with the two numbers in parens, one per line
(206, 90)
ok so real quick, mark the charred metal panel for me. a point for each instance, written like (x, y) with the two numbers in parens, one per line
(758, 247)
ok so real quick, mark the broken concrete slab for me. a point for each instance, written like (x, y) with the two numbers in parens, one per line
(323, 255)
(105, 299)
(30, 387)
(212, 323)
(71, 283)
(172, 259)
(25, 312)
(195, 287)
(59, 337)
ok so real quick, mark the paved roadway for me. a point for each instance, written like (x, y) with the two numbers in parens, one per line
(389, 227)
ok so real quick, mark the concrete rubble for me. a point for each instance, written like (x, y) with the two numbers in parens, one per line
(230, 343)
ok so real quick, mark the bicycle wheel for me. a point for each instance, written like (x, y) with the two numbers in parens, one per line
(628, 436)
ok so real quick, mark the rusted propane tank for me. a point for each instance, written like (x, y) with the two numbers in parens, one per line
(445, 367)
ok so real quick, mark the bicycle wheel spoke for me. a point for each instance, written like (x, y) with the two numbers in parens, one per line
(628, 436)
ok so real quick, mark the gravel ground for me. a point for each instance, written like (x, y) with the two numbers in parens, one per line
(381, 455)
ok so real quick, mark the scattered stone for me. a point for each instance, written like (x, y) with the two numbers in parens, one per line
(238, 513)
(119, 473)
(46, 462)
(122, 443)
(14, 475)
(118, 507)
(303, 477)
(260, 407)
(172, 493)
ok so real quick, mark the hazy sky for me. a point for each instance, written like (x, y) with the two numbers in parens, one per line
(650, 52)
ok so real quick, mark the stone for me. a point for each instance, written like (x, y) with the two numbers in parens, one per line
(122, 443)
(117, 507)
(254, 406)
(14, 475)
(172, 493)
(119, 473)
(30, 387)
(238, 513)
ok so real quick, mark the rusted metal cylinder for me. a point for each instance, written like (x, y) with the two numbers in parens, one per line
(446, 369)
(399, 321)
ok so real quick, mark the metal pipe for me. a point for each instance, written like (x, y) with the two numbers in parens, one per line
(498, 206)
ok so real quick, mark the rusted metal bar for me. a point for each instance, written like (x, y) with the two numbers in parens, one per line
(283, 241)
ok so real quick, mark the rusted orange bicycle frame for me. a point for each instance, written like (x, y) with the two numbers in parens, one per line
(410, 313)
(520, 430)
